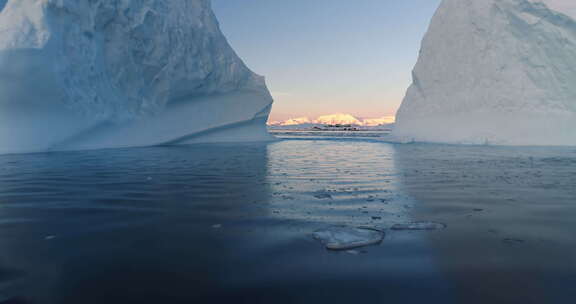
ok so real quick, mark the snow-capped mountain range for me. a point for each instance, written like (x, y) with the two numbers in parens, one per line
(336, 119)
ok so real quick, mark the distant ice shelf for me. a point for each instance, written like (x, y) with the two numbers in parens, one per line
(78, 74)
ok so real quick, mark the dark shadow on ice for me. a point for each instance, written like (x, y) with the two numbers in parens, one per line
(510, 214)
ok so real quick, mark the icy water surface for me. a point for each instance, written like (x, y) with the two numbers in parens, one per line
(234, 224)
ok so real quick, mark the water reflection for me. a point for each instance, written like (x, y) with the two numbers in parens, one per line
(511, 216)
(334, 181)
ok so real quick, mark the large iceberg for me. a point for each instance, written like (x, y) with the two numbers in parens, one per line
(84, 74)
(495, 72)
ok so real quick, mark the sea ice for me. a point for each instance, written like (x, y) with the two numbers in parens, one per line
(419, 226)
(345, 238)
(323, 195)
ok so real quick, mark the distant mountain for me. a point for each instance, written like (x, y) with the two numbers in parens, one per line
(338, 119)
(334, 119)
(382, 121)
(292, 122)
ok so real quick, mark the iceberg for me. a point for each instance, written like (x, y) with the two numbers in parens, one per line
(89, 74)
(497, 72)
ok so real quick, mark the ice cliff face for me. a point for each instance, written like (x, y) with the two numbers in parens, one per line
(495, 72)
(78, 74)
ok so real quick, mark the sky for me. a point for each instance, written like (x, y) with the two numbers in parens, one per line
(329, 56)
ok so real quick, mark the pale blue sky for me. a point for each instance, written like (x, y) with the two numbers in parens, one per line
(329, 56)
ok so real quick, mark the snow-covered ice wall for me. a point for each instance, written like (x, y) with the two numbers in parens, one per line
(83, 74)
(495, 72)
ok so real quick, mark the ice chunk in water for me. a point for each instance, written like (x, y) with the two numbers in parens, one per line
(345, 238)
(323, 195)
(419, 226)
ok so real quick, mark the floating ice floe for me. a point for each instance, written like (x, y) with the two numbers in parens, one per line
(511, 241)
(323, 195)
(346, 238)
(419, 226)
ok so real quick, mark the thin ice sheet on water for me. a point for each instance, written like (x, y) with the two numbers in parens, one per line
(345, 238)
(419, 226)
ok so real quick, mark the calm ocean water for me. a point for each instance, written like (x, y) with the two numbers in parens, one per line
(232, 223)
